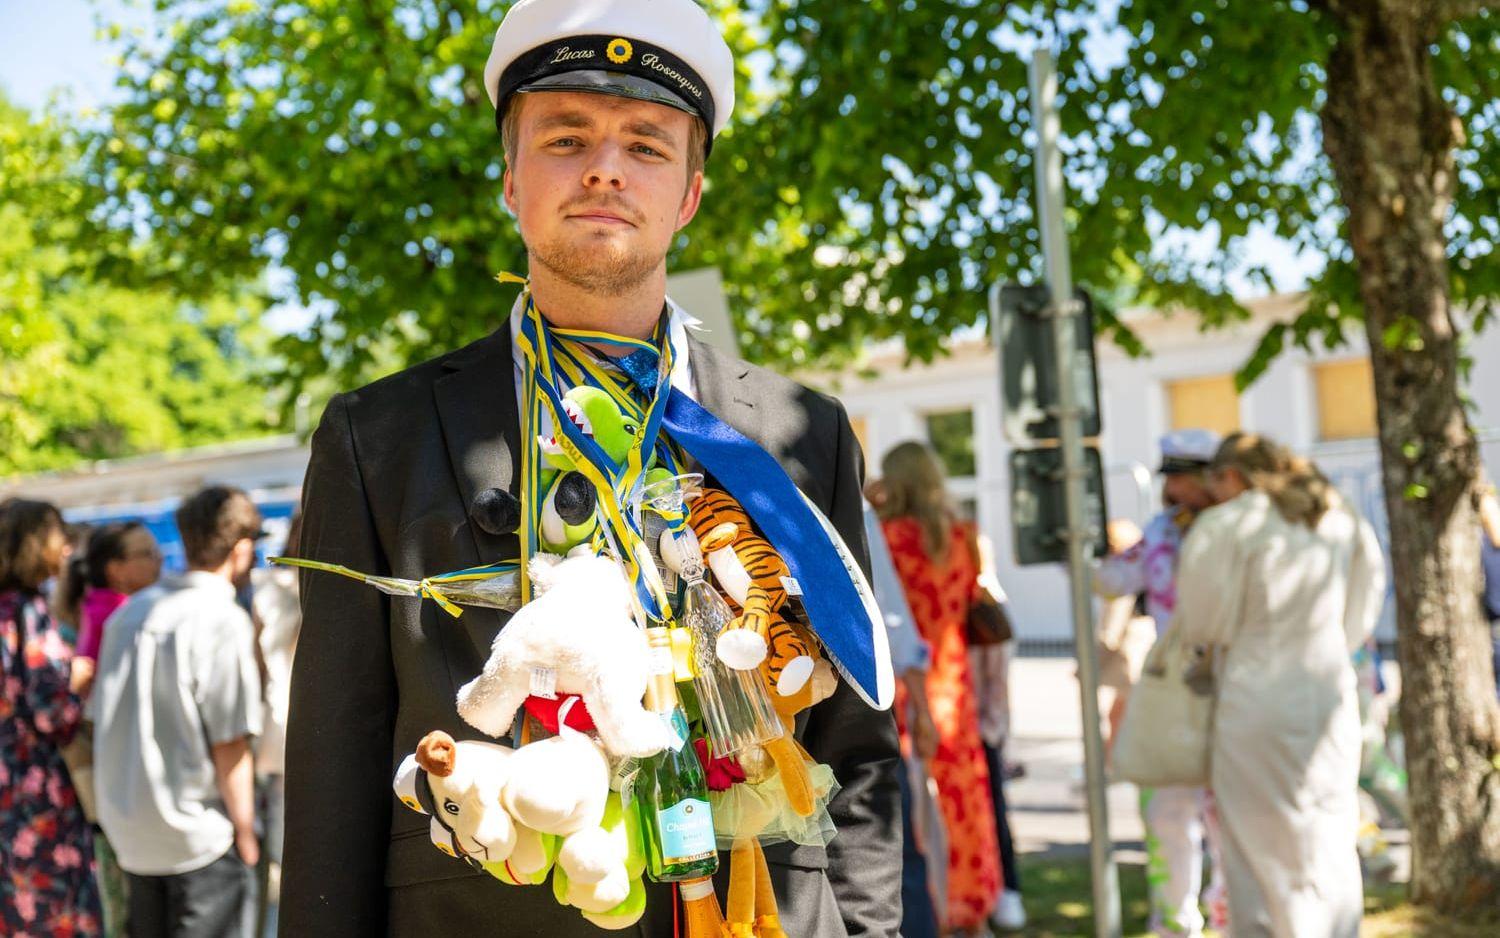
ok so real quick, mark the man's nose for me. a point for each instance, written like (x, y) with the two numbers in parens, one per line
(606, 169)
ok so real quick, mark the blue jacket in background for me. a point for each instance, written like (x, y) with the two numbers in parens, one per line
(1489, 560)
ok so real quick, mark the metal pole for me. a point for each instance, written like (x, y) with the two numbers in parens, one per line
(1049, 186)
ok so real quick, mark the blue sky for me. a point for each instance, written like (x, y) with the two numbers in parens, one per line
(50, 47)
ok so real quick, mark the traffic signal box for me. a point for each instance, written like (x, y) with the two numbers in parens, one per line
(1030, 377)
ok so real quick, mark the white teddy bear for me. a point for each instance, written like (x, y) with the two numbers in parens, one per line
(560, 786)
(580, 630)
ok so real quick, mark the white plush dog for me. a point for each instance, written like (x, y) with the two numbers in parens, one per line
(459, 784)
(578, 627)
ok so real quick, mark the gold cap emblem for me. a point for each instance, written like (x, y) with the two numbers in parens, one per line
(619, 51)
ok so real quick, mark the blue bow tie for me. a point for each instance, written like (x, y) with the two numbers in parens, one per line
(641, 366)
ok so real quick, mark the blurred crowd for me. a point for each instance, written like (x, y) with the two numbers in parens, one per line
(143, 719)
(142, 724)
(1247, 606)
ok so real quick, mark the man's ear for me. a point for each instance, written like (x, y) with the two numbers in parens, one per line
(690, 200)
(510, 191)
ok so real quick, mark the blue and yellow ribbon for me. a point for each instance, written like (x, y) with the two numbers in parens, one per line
(560, 358)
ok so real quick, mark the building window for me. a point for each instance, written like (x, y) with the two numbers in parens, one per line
(1346, 399)
(1210, 403)
(861, 428)
(951, 434)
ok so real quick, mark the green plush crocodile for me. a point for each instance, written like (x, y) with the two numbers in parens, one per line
(569, 515)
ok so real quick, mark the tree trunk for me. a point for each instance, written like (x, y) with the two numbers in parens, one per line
(1390, 138)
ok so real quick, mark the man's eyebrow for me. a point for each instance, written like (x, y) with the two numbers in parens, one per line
(652, 131)
(569, 120)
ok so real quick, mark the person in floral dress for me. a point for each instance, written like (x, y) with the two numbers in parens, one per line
(936, 563)
(47, 885)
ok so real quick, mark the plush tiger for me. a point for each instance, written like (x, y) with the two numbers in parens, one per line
(751, 573)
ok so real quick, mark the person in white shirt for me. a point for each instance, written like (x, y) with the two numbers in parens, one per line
(176, 703)
(277, 612)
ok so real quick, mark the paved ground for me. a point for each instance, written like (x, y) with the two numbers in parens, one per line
(1049, 814)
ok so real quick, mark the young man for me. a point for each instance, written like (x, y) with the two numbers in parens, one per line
(607, 109)
(1177, 818)
(176, 701)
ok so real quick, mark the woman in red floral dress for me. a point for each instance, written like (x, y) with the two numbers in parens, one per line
(936, 564)
(47, 887)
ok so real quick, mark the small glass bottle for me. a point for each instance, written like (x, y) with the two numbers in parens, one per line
(671, 791)
(736, 707)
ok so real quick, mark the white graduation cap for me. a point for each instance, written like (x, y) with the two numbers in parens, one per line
(668, 52)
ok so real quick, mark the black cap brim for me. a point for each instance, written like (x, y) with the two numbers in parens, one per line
(619, 84)
(616, 65)
(1177, 466)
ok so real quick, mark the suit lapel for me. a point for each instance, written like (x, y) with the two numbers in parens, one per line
(476, 403)
(719, 385)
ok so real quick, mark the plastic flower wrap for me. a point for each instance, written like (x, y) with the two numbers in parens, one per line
(497, 586)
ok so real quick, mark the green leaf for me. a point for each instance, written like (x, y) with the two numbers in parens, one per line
(1265, 353)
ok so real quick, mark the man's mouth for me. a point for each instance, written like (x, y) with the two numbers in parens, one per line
(603, 219)
(601, 216)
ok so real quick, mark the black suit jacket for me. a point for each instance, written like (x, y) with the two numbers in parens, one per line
(394, 467)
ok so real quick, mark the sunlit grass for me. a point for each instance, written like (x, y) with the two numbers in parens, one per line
(1058, 903)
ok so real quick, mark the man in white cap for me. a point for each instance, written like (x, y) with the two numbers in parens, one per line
(607, 110)
(1174, 816)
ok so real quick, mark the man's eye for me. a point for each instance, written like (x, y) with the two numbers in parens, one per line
(565, 142)
(649, 151)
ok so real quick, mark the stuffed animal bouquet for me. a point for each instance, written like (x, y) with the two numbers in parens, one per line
(638, 707)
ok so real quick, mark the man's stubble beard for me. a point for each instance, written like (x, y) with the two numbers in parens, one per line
(606, 269)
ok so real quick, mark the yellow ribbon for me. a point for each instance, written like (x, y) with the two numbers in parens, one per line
(429, 590)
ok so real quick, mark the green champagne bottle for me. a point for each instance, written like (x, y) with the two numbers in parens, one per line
(671, 792)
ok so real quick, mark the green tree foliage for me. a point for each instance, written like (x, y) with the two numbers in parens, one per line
(354, 146)
(93, 370)
(351, 144)
(876, 176)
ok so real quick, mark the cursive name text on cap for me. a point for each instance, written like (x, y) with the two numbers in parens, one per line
(653, 61)
(566, 54)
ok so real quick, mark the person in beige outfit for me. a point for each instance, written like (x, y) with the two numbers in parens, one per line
(1284, 580)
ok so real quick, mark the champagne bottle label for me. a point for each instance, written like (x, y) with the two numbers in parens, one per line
(687, 832)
